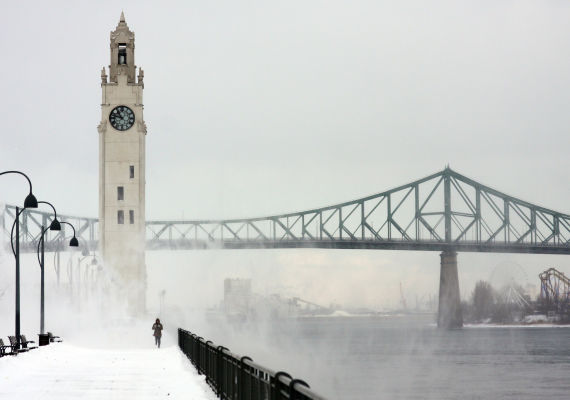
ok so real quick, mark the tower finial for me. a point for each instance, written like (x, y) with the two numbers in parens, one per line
(122, 17)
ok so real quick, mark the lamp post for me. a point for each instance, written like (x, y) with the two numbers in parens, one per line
(73, 242)
(94, 263)
(54, 226)
(42, 266)
(29, 202)
(86, 254)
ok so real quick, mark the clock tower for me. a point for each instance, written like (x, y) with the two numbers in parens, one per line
(122, 133)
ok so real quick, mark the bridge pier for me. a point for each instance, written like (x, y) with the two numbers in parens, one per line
(449, 314)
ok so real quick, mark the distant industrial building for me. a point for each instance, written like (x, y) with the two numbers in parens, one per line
(237, 297)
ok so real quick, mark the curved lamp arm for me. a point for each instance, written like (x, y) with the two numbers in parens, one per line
(54, 225)
(73, 242)
(49, 228)
(30, 201)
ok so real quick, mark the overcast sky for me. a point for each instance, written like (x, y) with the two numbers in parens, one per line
(259, 107)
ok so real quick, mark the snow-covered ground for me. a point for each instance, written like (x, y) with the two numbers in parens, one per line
(66, 371)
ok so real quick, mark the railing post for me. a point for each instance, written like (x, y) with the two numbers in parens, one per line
(208, 361)
(220, 372)
(276, 387)
(199, 356)
(242, 377)
(293, 393)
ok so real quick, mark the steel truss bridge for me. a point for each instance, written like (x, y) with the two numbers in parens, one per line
(443, 211)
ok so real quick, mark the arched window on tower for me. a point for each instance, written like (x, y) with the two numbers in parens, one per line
(122, 54)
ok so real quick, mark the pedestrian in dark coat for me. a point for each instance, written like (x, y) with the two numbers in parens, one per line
(157, 328)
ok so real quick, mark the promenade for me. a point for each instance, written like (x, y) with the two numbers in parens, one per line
(65, 371)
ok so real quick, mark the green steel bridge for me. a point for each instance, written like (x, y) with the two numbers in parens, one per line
(445, 211)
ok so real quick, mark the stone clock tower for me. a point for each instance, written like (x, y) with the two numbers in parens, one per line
(122, 133)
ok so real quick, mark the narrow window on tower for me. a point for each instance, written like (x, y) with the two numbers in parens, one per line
(131, 171)
(120, 193)
(131, 216)
(120, 217)
(122, 53)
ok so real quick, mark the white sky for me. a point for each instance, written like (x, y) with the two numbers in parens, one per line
(258, 108)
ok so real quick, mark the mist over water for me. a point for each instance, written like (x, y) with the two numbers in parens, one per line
(407, 357)
(379, 357)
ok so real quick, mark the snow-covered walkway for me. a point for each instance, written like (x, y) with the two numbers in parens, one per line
(63, 371)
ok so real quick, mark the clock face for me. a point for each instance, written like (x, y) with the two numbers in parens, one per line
(122, 118)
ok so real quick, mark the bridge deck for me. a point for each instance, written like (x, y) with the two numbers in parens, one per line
(64, 371)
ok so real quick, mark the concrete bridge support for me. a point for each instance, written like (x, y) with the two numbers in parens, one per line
(449, 314)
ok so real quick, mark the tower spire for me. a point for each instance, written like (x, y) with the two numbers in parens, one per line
(122, 52)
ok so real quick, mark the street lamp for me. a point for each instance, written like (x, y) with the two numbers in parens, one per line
(54, 226)
(93, 263)
(29, 202)
(86, 255)
(73, 242)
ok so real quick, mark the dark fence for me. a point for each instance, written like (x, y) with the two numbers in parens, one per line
(239, 378)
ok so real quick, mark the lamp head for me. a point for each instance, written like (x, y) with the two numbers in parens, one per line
(84, 252)
(94, 261)
(55, 225)
(31, 201)
(74, 242)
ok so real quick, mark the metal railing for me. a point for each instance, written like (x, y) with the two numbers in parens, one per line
(240, 378)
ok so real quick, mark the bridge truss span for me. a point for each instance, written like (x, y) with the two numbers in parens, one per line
(443, 211)
(31, 221)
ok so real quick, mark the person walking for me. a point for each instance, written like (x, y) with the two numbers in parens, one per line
(157, 328)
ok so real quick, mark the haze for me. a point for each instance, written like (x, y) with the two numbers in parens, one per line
(262, 108)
